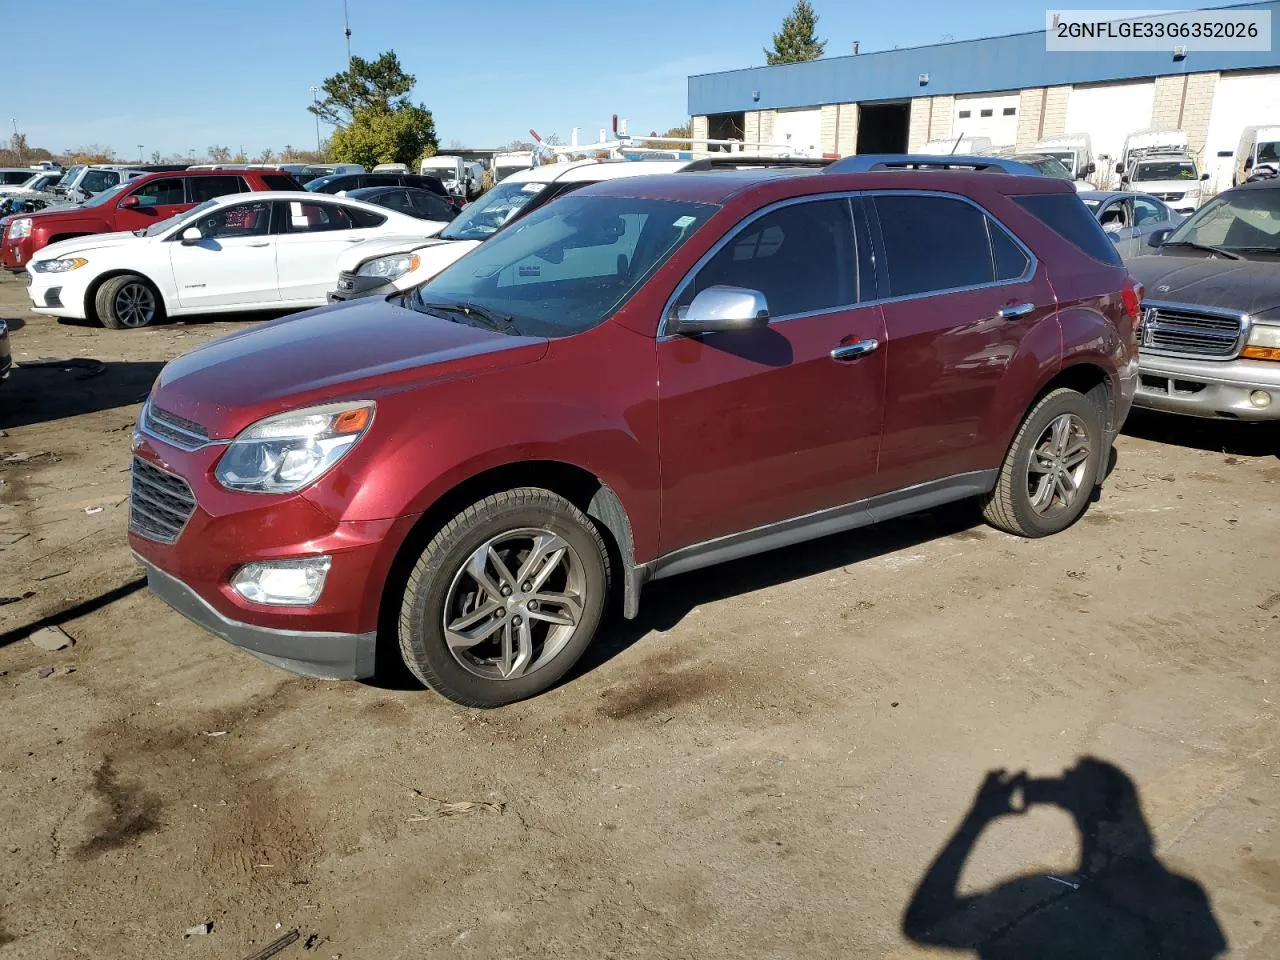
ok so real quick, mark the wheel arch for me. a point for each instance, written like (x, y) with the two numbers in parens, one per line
(91, 291)
(586, 491)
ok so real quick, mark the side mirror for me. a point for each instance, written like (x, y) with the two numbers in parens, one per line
(130, 202)
(1119, 168)
(1157, 237)
(1088, 169)
(191, 235)
(1204, 176)
(1248, 162)
(723, 310)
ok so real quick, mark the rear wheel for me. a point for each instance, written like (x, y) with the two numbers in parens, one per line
(505, 598)
(1049, 473)
(128, 301)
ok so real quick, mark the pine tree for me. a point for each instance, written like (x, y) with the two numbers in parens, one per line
(796, 42)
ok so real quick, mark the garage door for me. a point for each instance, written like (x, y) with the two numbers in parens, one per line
(1109, 112)
(799, 129)
(1240, 99)
(987, 115)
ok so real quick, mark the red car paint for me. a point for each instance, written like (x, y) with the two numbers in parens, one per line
(695, 442)
(117, 215)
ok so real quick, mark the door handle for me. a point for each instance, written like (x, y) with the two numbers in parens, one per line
(1015, 311)
(264, 243)
(853, 351)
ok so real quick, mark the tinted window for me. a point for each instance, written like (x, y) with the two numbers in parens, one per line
(278, 181)
(1010, 261)
(801, 257)
(391, 199)
(425, 204)
(1146, 211)
(1065, 215)
(493, 210)
(206, 188)
(240, 220)
(160, 192)
(15, 176)
(97, 180)
(434, 184)
(315, 217)
(362, 219)
(933, 243)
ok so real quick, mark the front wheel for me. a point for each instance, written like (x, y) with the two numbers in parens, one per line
(128, 301)
(1049, 473)
(505, 598)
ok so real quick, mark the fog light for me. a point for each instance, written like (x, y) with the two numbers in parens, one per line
(294, 583)
(1260, 398)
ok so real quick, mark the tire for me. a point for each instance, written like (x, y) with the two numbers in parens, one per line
(128, 302)
(519, 638)
(1013, 506)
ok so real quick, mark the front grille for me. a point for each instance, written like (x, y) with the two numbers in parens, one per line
(346, 281)
(179, 431)
(160, 504)
(1170, 196)
(1190, 331)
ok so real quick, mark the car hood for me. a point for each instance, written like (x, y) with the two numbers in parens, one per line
(81, 245)
(360, 349)
(366, 250)
(1250, 286)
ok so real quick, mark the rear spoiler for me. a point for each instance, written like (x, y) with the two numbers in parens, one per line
(866, 163)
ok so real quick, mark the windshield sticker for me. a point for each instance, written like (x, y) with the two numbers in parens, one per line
(532, 187)
(682, 222)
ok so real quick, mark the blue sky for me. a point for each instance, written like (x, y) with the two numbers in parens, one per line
(174, 75)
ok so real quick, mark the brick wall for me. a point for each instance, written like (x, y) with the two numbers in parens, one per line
(1030, 102)
(751, 126)
(847, 135)
(699, 128)
(1197, 108)
(827, 129)
(931, 119)
(1055, 111)
(766, 126)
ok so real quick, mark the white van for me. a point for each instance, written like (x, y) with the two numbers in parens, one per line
(958, 146)
(1259, 151)
(1074, 151)
(505, 164)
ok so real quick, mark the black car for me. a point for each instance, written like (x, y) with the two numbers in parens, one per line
(340, 182)
(416, 202)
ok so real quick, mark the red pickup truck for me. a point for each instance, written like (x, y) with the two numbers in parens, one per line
(135, 205)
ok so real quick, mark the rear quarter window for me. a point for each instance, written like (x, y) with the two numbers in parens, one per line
(280, 181)
(1067, 216)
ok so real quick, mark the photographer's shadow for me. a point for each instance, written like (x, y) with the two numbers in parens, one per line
(1120, 903)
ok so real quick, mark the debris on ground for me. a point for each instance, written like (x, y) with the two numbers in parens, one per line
(5, 601)
(42, 672)
(214, 733)
(199, 930)
(52, 639)
(92, 510)
(452, 808)
(69, 668)
(50, 576)
(92, 368)
(275, 946)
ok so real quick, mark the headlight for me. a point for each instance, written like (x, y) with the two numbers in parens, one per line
(390, 268)
(58, 266)
(20, 227)
(284, 453)
(1264, 343)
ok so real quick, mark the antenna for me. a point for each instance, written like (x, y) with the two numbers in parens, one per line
(346, 29)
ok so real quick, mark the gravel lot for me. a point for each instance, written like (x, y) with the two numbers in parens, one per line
(765, 764)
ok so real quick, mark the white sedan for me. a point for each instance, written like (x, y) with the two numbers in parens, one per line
(258, 251)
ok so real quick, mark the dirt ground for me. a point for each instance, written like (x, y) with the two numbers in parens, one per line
(765, 764)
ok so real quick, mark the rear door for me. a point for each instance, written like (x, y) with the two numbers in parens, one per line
(311, 235)
(235, 262)
(766, 425)
(960, 295)
(156, 200)
(202, 188)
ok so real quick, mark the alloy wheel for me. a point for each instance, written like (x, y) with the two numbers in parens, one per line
(514, 604)
(1056, 471)
(135, 305)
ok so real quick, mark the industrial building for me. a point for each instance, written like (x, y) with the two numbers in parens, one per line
(1007, 88)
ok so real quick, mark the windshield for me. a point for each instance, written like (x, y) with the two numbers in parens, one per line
(1164, 170)
(319, 182)
(1269, 152)
(484, 217)
(1237, 220)
(106, 196)
(565, 267)
(501, 173)
(1050, 167)
(158, 228)
(69, 177)
(1065, 157)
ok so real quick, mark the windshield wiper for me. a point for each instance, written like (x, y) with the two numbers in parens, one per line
(1208, 248)
(489, 318)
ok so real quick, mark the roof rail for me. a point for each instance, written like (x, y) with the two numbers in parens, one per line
(739, 161)
(868, 162)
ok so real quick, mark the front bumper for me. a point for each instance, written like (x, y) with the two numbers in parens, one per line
(332, 656)
(58, 294)
(353, 287)
(1206, 388)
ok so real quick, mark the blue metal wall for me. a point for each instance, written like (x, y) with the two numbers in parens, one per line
(971, 66)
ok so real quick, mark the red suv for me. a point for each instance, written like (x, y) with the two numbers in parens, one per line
(645, 377)
(135, 205)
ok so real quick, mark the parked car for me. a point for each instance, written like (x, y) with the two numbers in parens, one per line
(1174, 178)
(1129, 218)
(6, 354)
(1048, 166)
(393, 265)
(38, 181)
(14, 176)
(265, 251)
(658, 374)
(135, 205)
(1257, 155)
(1211, 318)
(81, 182)
(346, 182)
(423, 204)
(1074, 151)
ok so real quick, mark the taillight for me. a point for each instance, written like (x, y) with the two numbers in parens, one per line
(1132, 297)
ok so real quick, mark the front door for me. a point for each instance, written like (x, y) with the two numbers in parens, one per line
(961, 295)
(152, 202)
(234, 264)
(311, 236)
(765, 425)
